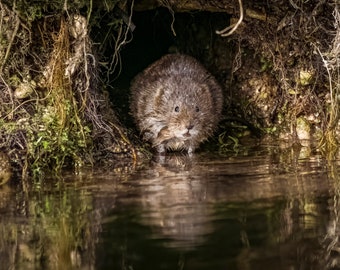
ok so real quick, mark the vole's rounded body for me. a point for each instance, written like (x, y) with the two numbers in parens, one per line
(176, 103)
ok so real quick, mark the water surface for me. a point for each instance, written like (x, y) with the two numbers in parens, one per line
(266, 208)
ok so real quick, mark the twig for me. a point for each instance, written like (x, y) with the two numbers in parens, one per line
(168, 6)
(232, 28)
(119, 43)
(15, 30)
(334, 105)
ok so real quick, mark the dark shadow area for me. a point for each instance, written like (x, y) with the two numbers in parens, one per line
(151, 38)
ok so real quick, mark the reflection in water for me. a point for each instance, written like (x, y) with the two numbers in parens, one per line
(270, 209)
(173, 200)
(180, 194)
(46, 230)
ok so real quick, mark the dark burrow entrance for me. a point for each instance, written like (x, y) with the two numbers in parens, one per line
(158, 32)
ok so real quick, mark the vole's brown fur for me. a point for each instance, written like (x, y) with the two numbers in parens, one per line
(176, 103)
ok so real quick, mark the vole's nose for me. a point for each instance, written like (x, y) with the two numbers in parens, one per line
(190, 126)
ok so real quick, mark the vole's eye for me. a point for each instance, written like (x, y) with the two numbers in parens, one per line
(197, 109)
(176, 109)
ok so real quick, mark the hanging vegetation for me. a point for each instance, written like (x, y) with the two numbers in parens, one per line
(53, 109)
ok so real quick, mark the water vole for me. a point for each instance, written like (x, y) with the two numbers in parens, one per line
(176, 103)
